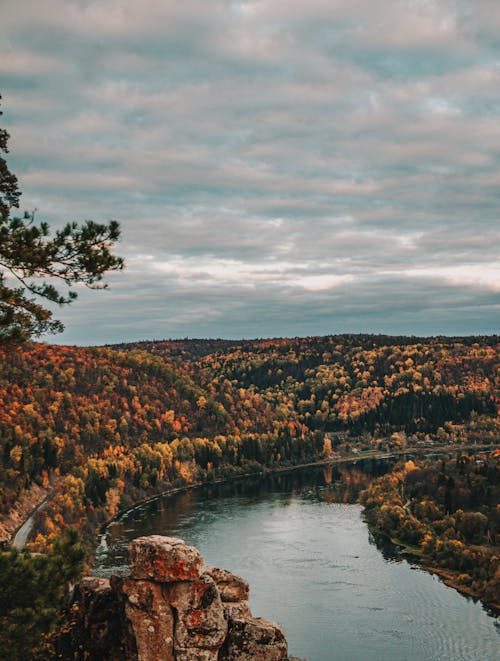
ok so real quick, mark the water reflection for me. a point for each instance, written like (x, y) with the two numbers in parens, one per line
(389, 551)
(328, 484)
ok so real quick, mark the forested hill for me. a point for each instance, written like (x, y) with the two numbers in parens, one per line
(122, 422)
(361, 383)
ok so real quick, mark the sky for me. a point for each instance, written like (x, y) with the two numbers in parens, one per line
(278, 167)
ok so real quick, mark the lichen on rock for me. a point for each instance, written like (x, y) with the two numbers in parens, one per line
(164, 559)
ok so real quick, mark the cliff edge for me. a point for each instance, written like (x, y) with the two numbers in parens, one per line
(171, 607)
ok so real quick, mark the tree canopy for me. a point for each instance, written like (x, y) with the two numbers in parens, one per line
(33, 257)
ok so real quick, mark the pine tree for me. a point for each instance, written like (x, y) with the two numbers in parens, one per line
(32, 258)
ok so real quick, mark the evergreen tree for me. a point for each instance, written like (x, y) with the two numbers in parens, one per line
(33, 593)
(32, 257)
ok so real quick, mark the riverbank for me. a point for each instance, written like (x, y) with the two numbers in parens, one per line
(271, 470)
(443, 514)
(30, 506)
(448, 576)
(37, 497)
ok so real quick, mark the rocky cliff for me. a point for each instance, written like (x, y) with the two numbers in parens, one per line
(171, 607)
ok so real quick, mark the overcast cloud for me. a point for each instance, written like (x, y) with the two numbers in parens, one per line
(279, 167)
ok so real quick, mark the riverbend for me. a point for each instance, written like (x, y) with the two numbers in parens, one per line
(314, 567)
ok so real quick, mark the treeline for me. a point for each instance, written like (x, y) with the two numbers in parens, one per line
(119, 423)
(447, 510)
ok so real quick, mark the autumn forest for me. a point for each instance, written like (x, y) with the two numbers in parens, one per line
(96, 430)
(111, 425)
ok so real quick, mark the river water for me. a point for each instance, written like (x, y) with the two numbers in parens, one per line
(313, 566)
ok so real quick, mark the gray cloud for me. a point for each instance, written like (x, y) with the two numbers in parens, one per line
(277, 168)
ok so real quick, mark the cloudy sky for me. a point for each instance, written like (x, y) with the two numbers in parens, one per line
(279, 167)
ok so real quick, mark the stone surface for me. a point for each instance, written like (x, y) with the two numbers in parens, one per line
(231, 587)
(166, 610)
(197, 655)
(200, 621)
(100, 629)
(164, 559)
(236, 610)
(255, 639)
(151, 618)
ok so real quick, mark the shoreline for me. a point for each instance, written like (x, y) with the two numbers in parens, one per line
(265, 470)
(447, 576)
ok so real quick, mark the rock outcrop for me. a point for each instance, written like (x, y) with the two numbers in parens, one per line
(171, 608)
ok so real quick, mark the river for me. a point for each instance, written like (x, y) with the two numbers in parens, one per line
(313, 566)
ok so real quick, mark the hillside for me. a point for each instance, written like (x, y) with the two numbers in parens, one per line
(115, 424)
(360, 383)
